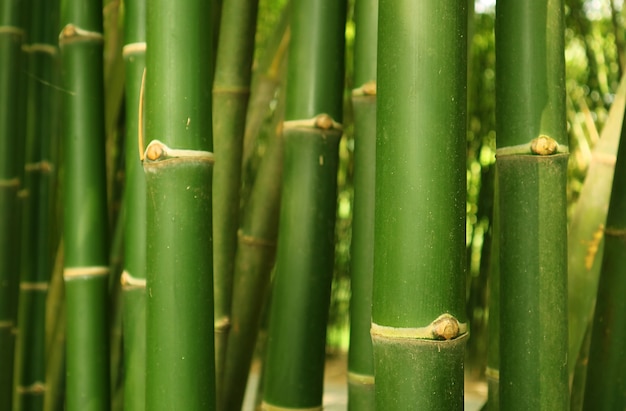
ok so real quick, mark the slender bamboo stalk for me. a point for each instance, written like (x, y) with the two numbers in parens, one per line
(134, 276)
(493, 355)
(36, 264)
(361, 356)
(180, 358)
(532, 173)
(586, 228)
(231, 91)
(305, 256)
(605, 387)
(419, 325)
(85, 213)
(11, 39)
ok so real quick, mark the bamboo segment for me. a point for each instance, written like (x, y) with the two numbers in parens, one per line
(36, 264)
(294, 369)
(532, 173)
(361, 357)
(605, 386)
(11, 39)
(180, 358)
(231, 91)
(419, 324)
(493, 355)
(134, 276)
(85, 213)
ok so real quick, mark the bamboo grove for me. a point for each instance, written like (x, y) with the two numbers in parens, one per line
(202, 202)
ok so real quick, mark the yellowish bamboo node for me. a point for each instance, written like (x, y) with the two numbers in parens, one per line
(222, 325)
(72, 33)
(130, 282)
(231, 90)
(134, 48)
(541, 146)
(10, 183)
(71, 273)
(40, 48)
(615, 232)
(6, 324)
(367, 89)
(321, 121)
(362, 379)
(36, 286)
(444, 327)
(37, 388)
(255, 241)
(158, 151)
(269, 407)
(43, 166)
(11, 30)
(492, 374)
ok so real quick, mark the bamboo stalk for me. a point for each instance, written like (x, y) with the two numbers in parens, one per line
(11, 39)
(180, 369)
(36, 264)
(134, 275)
(231, 91)
(605, 387)
(85, 212)
(532, 173)
(305, 254)
(419, 325)
(361, 357)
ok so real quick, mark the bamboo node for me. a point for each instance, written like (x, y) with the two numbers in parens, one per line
(130, 282)
(134, 48)
(445, 327)
(544, 146)
(492, 374)
(36, 388)
(70, 273)
(6, 324)
(72, 33)
(367, 89)
(269, 407)
(44, 166)
(11, 30)
(321, 121)
(40, 48)
(360, 379)
(254, 241)
(10, 183)
(222, 325)
(158, 151)
(615, 232)
(34, 286)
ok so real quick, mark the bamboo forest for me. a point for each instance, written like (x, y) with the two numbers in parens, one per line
(237, 205)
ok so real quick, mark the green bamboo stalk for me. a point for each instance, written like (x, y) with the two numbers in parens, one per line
(305, 256)
(493, 355)
(85, 212)
(180, 362)
(361, 356)
(256, 240)
(134, 275)
(36, 261)
(11, 39)
(586, 228)
(532, 174)
(605, 387)
(419, 325)
(256, 249)
(231, 90)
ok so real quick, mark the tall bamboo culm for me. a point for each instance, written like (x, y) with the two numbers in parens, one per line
(532, 172)
(361, 357)
(86, 265)
(294, 368)
(11, 40)
(134, 274)
(37, 231)
(178, 164)
(605, 387)
(231, 91)
(419, 327)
